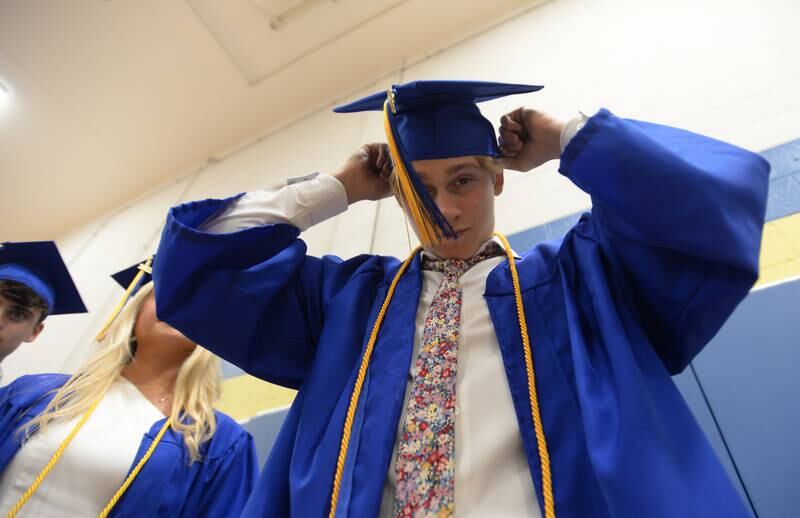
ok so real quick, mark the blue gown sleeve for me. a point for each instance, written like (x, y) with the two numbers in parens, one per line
(20, 400)
(9, 410)
(226, 482)
(12, 405)
(678, 217)
(25, 395)
(253, 297)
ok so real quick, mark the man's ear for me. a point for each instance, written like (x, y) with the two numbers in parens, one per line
(35, 333)
(499, 180)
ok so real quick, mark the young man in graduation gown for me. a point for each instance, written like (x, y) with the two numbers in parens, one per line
(34, 284)
(473, 380)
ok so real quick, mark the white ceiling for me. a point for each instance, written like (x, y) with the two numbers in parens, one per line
(111, 98)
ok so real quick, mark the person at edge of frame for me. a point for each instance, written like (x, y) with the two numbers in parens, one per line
(145, 438)
(34, 284)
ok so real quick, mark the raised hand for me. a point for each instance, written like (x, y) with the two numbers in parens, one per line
(365, 174)
(529, 138)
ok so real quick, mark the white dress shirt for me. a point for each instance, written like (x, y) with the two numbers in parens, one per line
(92, 467)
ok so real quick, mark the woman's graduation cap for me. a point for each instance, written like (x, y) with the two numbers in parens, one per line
(434, 119)
(39, 266)
(131, 278)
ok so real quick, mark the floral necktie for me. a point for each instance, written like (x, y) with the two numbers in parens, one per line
(426, 452)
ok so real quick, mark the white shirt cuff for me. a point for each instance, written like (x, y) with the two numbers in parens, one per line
(571, 128)
(301, 204)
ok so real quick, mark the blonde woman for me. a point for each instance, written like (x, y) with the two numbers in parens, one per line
(148, 384)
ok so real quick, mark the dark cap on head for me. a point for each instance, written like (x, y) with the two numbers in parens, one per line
(38, 265)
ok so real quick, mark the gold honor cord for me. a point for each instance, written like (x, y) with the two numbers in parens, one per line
(541, 442)
(144, 268)
(128, 481)
(362, 372)
(63, 446)
(40, 477)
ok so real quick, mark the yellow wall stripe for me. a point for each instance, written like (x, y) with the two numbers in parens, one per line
(780, 250)
(245, 396)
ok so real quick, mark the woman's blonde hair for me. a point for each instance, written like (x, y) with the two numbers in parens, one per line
(196, 388)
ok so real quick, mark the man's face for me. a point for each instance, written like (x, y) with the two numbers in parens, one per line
(464, 192)
(17, 324)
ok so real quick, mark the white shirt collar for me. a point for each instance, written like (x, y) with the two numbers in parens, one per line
(494, 239)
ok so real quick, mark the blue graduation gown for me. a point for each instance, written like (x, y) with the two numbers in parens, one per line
(218, 485)
(626, 299)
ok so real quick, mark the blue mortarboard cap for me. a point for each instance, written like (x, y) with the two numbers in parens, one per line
(131, 279)
(440, 119)
(39, 265)
(434, 119)
(125, 277)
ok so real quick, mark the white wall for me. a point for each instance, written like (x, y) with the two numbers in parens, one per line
(725, 68)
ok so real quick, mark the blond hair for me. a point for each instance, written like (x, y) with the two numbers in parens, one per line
(196, 389)
(490, 163)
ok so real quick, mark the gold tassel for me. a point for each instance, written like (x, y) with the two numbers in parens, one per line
(427, 231)
(144, 268)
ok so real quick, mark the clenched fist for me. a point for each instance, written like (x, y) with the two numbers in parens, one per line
(365, 174)
(529, 138)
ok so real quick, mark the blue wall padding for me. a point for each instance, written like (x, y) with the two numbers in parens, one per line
(229, 370)
(751, 375)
